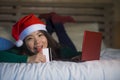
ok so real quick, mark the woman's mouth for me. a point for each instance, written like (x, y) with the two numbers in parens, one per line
(38, 49)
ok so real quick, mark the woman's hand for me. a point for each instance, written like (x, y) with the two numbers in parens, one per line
(76, 58)
(37, 58)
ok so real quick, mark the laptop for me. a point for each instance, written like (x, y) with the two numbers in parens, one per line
(91, 46)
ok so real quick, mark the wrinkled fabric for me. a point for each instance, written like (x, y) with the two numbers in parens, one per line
(104, 69)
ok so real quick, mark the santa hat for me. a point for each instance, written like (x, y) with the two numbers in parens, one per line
(26, 26)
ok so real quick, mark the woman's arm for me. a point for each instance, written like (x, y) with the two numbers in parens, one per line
(68, 53)
(9, 56)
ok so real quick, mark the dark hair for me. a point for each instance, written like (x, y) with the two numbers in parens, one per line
(52, 43)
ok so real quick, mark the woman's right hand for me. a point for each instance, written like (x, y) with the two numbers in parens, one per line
(37, 58)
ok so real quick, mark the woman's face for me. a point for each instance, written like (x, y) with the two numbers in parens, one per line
(36, 41)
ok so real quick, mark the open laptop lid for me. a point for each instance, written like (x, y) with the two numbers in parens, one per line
(91, 46)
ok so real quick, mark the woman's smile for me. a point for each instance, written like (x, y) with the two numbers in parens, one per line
(36, 41)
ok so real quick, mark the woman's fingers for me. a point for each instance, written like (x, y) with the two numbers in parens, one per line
(42, 58)
(37, 58)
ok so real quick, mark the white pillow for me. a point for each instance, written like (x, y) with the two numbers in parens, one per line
(76, 31)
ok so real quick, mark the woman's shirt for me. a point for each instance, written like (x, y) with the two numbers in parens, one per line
(13, 56)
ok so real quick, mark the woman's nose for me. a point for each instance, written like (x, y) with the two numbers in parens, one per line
(36, 41)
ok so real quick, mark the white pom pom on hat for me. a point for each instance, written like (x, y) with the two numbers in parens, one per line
(19, 43)
(26, 26)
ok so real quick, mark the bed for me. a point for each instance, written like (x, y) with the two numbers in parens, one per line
(107, 68)
(91, 16)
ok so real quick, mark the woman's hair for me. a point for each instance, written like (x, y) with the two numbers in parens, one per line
(52, 43)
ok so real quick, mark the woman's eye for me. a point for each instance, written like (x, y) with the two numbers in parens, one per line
(40, 35)
(28, 39)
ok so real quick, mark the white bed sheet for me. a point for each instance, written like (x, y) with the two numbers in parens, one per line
(108, 68)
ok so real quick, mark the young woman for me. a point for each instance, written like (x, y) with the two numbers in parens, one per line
(31, 37)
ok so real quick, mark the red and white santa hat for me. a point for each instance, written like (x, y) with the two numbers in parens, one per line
(26, 26)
